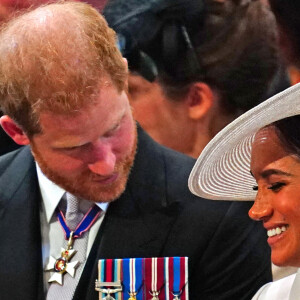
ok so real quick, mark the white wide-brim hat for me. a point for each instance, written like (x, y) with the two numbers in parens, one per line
(222, 171)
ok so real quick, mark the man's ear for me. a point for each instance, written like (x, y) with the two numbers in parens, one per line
(14, 130)
(126, 64)
(200, 100)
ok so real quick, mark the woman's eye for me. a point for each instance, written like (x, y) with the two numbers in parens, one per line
(276, 186)
(255, 188)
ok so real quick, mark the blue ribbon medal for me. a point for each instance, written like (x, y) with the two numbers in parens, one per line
(62, 265)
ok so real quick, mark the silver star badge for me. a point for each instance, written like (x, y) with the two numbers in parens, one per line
(62, 265)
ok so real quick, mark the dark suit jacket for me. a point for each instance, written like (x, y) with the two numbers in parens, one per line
(155, 216)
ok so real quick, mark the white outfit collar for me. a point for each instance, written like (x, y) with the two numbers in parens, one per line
(287, 288)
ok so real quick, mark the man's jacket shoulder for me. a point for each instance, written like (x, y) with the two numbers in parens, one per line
(12, 159)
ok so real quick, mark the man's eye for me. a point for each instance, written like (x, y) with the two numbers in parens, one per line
(112, 131)
(74, 148)
(276, 186)
(116, 128)
(255, 188)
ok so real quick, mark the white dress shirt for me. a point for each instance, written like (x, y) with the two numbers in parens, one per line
(51, 230)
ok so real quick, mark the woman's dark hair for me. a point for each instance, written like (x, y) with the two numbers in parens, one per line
(230, 45)
(288, 132)
(287, 13)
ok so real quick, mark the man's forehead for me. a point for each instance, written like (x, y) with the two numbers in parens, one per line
(75, 103)
(106, 102)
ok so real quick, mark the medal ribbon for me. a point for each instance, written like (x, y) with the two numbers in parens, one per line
(168, 276)
(110, 270)
(133, 276)
(88, 220)
(177, 273)
(154, 275)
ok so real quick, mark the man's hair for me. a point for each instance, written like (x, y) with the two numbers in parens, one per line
(56, 58)
(230, 45)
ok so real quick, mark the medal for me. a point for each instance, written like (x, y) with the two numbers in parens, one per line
(109, 297)
(132, 296)
(104, 288)
(154, 295)
(109, 279)
(108, 292)
(177, 296)
(133, 277)
(177, 275)
(62, 265)
(154, 276)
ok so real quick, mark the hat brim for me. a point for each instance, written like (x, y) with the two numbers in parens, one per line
(222, 171)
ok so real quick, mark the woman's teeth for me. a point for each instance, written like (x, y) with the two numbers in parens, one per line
(276, 231)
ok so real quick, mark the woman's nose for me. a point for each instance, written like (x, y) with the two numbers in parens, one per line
(261, 208)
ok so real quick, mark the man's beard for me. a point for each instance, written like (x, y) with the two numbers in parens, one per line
(85, 184)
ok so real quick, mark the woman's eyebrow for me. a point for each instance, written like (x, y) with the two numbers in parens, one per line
(270, 172)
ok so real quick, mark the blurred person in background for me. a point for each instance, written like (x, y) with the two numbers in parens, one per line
(195, 65)
(287, 14)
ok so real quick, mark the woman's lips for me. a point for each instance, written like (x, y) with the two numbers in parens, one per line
(276, 233)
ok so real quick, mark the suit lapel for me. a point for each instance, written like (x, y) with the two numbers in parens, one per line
(137, 224)
(20, 228)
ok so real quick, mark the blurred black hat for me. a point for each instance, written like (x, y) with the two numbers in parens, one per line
(153, 33)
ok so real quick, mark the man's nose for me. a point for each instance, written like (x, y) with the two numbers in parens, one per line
(104, 161)
(261, 209)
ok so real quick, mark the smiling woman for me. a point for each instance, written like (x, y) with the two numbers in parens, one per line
(275, 166)
(257, 157)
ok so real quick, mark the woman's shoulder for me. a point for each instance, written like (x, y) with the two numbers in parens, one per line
(277, 290)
